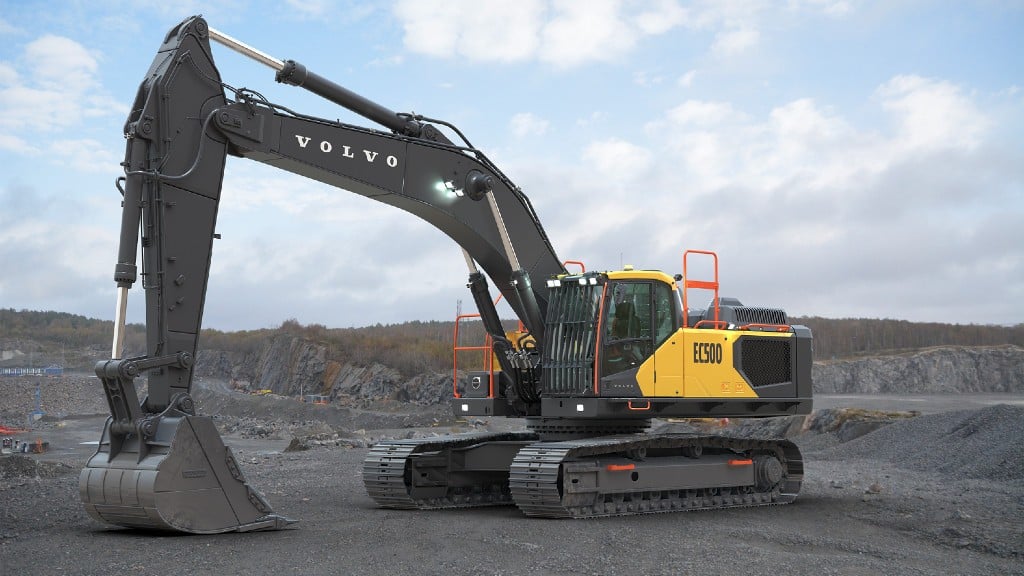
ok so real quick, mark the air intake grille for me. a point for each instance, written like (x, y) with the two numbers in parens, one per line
(751, 315)
(570, 329)
(765, 361)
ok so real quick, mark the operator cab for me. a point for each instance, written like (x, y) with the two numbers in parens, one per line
(630, 312)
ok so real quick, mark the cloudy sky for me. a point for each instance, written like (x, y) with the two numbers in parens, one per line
(844, 158)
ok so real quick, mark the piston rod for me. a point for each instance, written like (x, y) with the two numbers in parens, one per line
(246, 50)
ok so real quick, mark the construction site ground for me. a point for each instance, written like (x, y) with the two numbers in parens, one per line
(940, 493)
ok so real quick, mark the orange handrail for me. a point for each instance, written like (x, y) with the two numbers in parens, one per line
(583, 268)
(701, 284)
(716, 324)
(599, 338)
(487, 349)
(776, 327)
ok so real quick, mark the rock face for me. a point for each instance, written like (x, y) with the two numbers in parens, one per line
(225, 365)
(363, 385)
(938, 370)
(290, 366)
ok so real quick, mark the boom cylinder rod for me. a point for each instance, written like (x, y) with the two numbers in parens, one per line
(291, 72)
(117, 350)
(506, 242)
(520, 278)
(469, 262)
(246, 50)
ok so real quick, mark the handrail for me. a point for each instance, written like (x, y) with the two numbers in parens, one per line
(715, 324)
(583, 268)
(487, 349)
(700, 284)
(776, 327)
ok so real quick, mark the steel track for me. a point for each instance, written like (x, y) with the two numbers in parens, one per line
(537, 474)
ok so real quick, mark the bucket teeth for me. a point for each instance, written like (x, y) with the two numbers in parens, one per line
(182, 478)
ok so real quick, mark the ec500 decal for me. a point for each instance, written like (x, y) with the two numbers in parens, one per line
(707, 353)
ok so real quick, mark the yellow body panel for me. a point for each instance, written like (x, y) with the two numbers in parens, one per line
(696, 363)
(642, 275)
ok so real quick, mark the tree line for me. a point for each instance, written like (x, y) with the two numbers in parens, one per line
(851, 337)
(417, 347)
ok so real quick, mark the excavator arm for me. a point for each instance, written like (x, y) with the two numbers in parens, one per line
(156, 455)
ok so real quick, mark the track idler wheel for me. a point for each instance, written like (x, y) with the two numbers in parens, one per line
(176, 475)
(767, 472)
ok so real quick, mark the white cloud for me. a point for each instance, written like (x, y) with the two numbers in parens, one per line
(559, 32)
(527, 124)
(6, 27)
(15, 144)
(567, 33)
(86, 155)
(702, 113)
(502, 30)
(686, 80)
(55, 90)
(593, 119)
(932, 113)
(659, 16)
(59, 63)
(808, 210)
(311, 8)
(618, 160)
(735, 41)
(834, 8)
(736, 25)
(22, 107)
(584, 31)
(646, 79)
(8, 75)
(44, 237)
(803, 120)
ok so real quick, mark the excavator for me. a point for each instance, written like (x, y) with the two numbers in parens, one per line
(598, 355)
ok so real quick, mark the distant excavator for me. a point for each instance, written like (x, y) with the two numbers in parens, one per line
(597, 357)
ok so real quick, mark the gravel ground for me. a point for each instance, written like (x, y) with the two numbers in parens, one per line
(934, 494)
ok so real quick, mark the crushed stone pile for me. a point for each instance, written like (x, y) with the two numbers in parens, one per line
(840, 424)
(984, 444)
(17, 466)
(59, 397)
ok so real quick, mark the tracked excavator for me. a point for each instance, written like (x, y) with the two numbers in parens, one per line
(597, 357)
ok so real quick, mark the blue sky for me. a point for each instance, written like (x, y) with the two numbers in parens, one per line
(844, 158)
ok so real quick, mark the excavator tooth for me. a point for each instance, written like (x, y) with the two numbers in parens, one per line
(180, 478)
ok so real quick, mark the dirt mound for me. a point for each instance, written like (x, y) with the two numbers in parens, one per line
(18, 466)
(59, 397)
(839, 424)
(214, 400)
(983, 444)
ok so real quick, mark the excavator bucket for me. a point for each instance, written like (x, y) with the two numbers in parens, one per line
(181, 478)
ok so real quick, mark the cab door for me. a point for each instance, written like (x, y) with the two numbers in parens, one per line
(667, 366)
(626, 339)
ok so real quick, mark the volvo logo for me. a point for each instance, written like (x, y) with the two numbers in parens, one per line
(327, 147)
